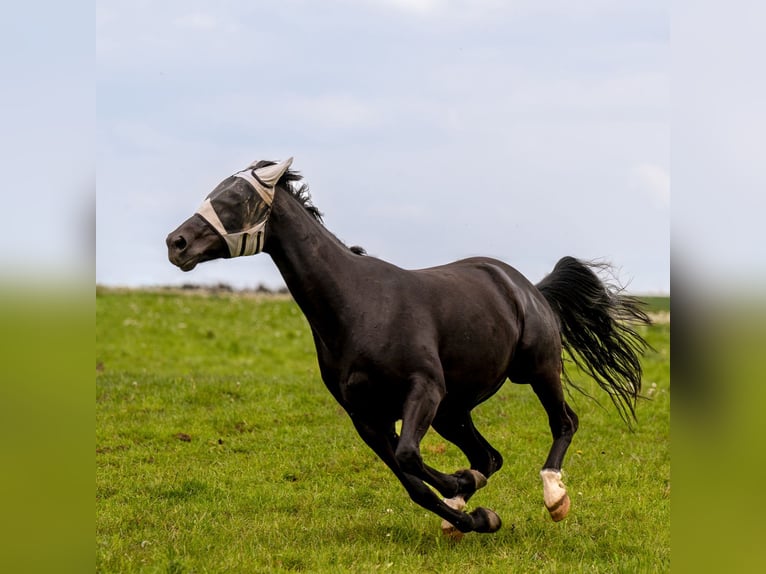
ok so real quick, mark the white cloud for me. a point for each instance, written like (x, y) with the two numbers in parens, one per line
(196, 21)
(654, 181)
(415, 6)
(333, 111)
(465, 8)
(141, 137)
(480, 8)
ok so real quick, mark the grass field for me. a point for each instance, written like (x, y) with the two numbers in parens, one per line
(218, 449)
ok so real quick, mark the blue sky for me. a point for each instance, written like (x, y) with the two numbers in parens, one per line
(427, 130)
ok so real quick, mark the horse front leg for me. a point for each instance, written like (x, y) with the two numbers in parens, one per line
(383, 441)
(418, 413)
(456, 425)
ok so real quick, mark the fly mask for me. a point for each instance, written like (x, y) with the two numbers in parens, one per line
(248, 241)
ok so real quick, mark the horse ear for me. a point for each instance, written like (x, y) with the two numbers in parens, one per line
(270, 174)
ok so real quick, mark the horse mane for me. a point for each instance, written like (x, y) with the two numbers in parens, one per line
(292, 182)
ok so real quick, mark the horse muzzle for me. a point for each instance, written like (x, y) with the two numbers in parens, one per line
(178, 252)
(193, 242)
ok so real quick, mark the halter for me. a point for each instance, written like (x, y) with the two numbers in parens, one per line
(248, 241)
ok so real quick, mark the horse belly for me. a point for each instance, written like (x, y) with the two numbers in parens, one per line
(476, 354)
(374, 397)
(474, 373)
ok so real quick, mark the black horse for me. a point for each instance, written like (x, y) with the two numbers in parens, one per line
(426, 346)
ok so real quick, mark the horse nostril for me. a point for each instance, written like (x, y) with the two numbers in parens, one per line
(179, 243)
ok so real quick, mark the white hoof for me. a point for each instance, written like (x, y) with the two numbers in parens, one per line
(456, 503)
(555, 494)
(448, 529)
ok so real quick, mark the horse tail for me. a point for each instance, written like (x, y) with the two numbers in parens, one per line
(597, 323)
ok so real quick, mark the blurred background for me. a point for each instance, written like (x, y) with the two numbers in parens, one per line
(412, 121)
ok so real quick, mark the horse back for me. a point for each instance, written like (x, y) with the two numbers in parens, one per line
(490, 319)
(466, 322)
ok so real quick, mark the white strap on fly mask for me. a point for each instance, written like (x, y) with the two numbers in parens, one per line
(248, 241)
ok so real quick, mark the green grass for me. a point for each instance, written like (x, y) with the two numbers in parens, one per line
(218, 449)
(657, 304)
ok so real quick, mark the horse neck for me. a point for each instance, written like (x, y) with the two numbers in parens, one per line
(312, 262)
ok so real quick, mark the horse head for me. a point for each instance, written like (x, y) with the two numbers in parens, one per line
(231, 222)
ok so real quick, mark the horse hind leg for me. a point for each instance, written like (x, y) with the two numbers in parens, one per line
(456, 426)
(563, 424)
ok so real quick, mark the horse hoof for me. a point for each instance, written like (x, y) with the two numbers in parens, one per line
(478, 478)
(451, 532)
(488, 520)
(448, 529)
(456, 503)
(474, 476)
(555, 494)
(560, 509)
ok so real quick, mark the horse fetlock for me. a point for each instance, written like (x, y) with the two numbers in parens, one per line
(555, 494)
(485, 520)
